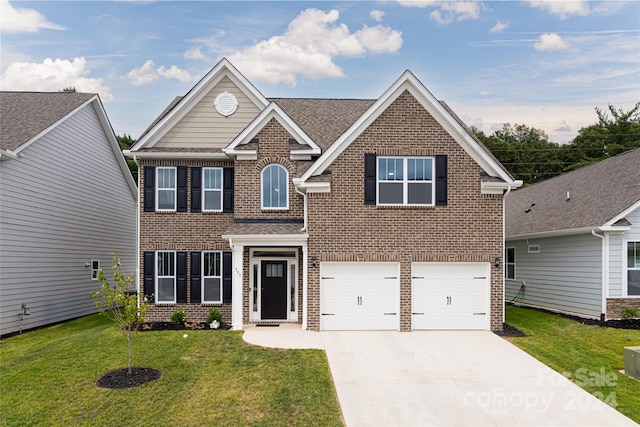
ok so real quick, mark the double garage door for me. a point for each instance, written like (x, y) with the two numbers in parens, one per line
(366, 296)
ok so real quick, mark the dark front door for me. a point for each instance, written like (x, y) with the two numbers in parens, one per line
(274, 290)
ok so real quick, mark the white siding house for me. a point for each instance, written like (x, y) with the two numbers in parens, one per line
(574, 240)
(67, 202)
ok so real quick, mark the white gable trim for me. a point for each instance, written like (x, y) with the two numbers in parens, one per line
(223, 69)
(408, 81)
(273, 111)
(623, 214)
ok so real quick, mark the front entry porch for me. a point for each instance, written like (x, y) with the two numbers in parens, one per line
(269, 278)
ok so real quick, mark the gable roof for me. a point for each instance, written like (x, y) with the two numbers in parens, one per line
(24, 115)
(597, 196)
(181, 106)
(409, 82)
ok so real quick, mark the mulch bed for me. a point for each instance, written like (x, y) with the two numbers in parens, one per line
(120, 378)
(187, 326)
(510, 331)
(615, 323)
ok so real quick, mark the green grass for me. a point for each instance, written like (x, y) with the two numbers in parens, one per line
(590, 355)
(210, 378)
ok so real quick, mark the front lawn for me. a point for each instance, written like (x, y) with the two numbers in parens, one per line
(590, 355)
(209, 378)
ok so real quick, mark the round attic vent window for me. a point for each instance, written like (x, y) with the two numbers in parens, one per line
(226, 104)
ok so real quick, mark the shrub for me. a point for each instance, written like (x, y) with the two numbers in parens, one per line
(177, 318)
(214, 314)
(629, 313)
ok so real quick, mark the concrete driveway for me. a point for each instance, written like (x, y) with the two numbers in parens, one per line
(446, 378)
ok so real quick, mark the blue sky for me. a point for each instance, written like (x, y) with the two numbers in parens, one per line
(545, 64)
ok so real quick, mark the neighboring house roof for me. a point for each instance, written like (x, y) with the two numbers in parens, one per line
(23, 115)
(26, 116)
(596, 196)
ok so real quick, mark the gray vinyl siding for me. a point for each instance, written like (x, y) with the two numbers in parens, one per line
(204, 127)
(566, 275)
(64, 203)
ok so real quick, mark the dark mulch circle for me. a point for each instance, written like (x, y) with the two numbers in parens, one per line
(120, 378)
(188, 326)
(510, 331)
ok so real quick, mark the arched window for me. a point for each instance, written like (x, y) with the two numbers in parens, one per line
(275, 187)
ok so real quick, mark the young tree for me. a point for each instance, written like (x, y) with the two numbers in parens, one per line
(119, 304)
(125, 142)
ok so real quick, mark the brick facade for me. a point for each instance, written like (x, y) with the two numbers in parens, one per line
(340, 226)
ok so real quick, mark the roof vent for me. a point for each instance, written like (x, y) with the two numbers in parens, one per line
(226, 104)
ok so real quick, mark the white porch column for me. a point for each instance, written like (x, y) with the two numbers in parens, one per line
(305, 271)
(236, 286)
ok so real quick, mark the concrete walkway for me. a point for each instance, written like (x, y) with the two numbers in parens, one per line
(444, 378)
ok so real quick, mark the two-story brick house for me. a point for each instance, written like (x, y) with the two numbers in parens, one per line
(329, 213)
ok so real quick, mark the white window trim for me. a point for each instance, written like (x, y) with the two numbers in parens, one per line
(202, 277)
(507, 263)
(94, 271)
(175, 189)
(157, 277)
(405, 181)
(286, 174)
(255, 315)
(625, 269)
(204, 191)
(533, 249)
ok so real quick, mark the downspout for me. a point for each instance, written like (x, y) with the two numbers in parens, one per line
(603, 308)
(504, 261)
(138, 289)
(305, 263)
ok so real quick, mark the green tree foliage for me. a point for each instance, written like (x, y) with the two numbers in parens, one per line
(528, 154)
(69, 89)
(119, 304)
(125, 142)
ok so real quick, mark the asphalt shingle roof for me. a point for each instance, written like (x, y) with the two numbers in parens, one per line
(24, 115)
(597, 194)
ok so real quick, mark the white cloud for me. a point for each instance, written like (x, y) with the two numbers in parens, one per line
(147, 74)
(550, 42)
(447, 11)
(21, 20)
(563, 9)
(376, 15)
(194, 53)
(308, 47)
(53, 76)
(499, 27)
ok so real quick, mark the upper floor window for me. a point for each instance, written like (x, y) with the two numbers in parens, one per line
(633, 269)
(212, 189)
(405, 181)
(166, 189)
(275, 187)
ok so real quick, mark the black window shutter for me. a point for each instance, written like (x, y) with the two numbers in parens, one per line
(182, 189)
(181, 277)
(370, 178)
(227, 190)
(227, 272)
(149, 188)
(196, 189)
(441, 180)
(195, 277)
(149, 278)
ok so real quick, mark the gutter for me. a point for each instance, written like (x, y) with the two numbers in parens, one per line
(138, 287)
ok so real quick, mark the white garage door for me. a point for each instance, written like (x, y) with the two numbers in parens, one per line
(450, 295)
(359, 296)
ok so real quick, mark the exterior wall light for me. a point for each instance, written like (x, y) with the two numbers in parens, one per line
(314, 261)
(497, 262)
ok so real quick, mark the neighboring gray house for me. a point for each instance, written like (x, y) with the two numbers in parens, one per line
(575, 240)
(67, 201)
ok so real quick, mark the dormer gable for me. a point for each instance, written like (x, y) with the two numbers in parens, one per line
(208, 117)
(302, 147)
